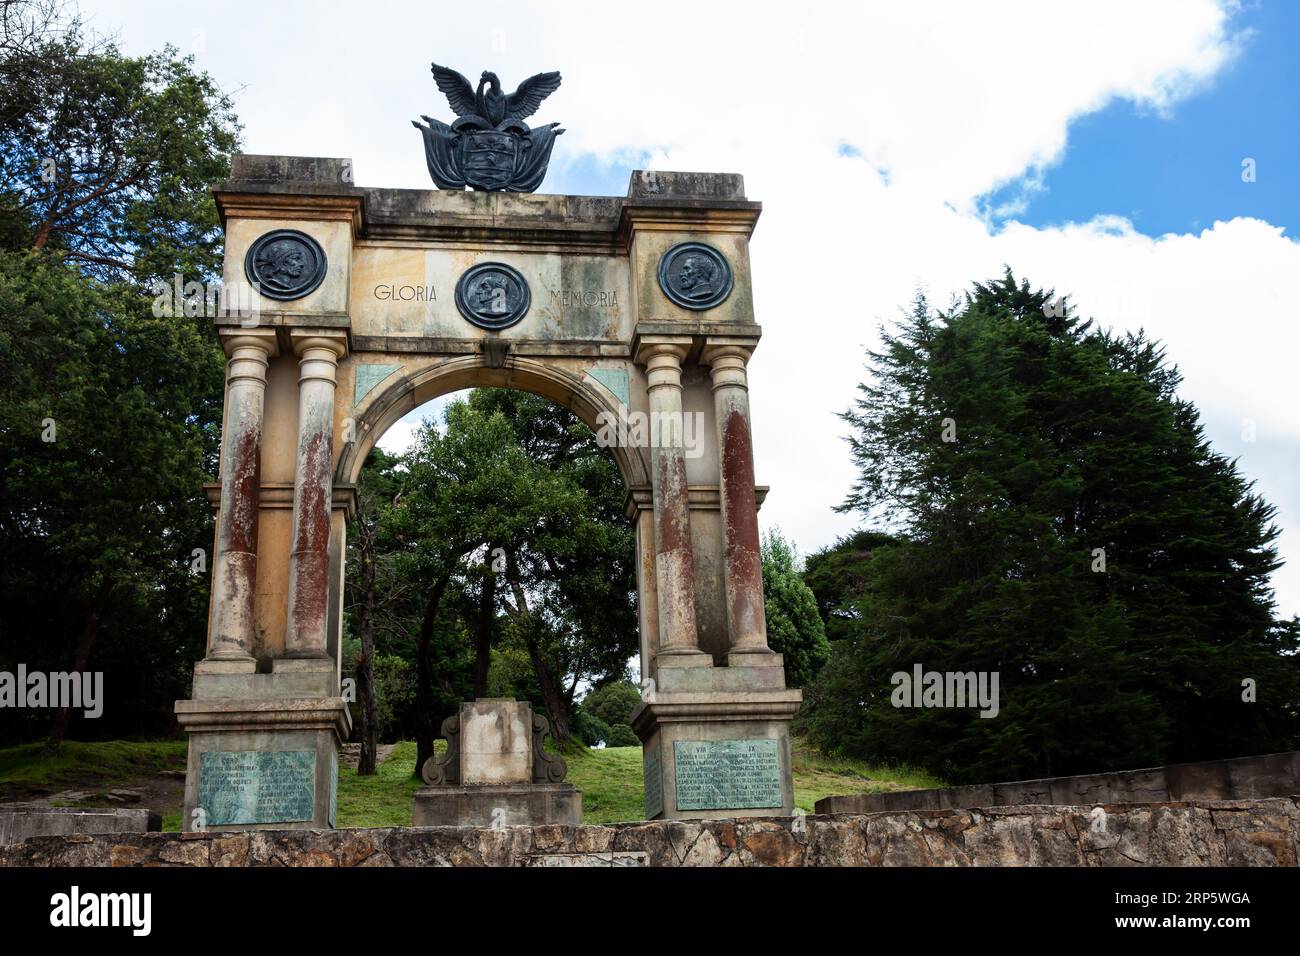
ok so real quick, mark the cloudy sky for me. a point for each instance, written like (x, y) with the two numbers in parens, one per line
(1097, 148)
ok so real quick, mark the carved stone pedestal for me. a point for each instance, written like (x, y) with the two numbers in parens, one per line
(496, 772)
(716, 742)
(263, 748)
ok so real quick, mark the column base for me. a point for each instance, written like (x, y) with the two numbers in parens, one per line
(759, 657)
(225, 665)
(263, 750)
(716, 744)
(690, 658)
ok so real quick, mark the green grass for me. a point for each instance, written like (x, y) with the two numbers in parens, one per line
(83, 765)
(610, 779)
(817, 775)
(385, 798)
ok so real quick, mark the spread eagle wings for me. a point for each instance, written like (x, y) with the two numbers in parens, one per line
(457, 90)
(526, 100)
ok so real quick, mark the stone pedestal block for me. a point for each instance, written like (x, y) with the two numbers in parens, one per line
(18, 821)
(263, 748)
(716, 743)
(519, 804)
(496, 771)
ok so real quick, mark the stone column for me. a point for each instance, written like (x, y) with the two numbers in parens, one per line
(742, 565)
(234, 571)
(309, 562)
(674, 550)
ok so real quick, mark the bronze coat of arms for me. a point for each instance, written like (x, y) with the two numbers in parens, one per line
(489, 146)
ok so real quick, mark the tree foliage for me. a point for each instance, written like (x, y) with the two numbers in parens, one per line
(109, 412)
(107, 159)
(1063, 521)
(794, 626)
(501, 549)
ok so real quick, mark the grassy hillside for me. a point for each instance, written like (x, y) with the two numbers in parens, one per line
(610, 780)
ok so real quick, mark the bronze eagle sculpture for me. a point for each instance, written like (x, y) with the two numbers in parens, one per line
(489, 146)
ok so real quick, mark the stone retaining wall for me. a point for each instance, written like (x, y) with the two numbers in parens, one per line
(1241, 778)
(20, 821)
(1223, 833)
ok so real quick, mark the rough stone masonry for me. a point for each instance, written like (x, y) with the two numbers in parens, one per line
(1219, 833)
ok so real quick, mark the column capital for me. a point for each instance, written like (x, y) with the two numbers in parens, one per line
(650, 347)
(727, 361)
(234, 339)
(304, 341)
(729, 351)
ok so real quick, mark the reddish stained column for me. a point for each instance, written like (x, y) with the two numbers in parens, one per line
(312, 491)
(742, 566)
(674, 551)
(234, 568)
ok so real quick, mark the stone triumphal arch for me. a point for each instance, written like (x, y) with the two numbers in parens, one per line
(369, 302)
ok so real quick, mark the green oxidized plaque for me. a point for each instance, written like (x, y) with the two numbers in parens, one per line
(727, 774)
(654, 793)
(252, 786)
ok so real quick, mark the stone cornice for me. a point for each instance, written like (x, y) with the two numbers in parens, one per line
(701, 498)
(243, 201)
(290, 187)
(279, 494)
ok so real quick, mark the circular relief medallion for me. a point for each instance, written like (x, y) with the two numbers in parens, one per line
(695, 276)
(285, 264)
(493, 295)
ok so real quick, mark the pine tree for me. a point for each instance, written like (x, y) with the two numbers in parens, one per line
(1062, 520)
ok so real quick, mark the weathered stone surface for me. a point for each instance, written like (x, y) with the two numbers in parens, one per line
(1242, 778)
(1263, 832)
(20, 821)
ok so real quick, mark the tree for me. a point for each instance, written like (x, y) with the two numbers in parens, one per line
(837, 574)
(794, 627)
(377, 490)
(461, 486)
(106, 160)
(614, 702)
(571, 580)
(102, 462)
(1063, 522)
(508, 549)
(109, 412)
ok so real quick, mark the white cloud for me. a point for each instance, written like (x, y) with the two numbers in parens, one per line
(940, 102)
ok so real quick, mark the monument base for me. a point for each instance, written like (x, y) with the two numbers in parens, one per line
(518, 804)
(496, 771)
(712, 750)
(263, 748)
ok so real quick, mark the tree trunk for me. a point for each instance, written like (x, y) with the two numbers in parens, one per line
(552, 696)
(425, 731)
(557, 712)
(486, 618)
(367, 707)
(367, 710)
(80, 657)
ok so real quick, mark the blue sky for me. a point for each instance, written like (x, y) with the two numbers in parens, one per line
(1179, 170)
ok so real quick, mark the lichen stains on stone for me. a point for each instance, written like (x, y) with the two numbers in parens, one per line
(1202, 833)
(241, 515)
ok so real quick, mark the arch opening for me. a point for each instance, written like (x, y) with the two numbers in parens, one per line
(395, 399)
